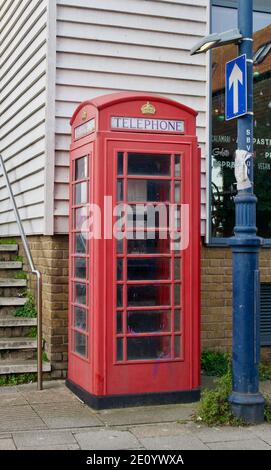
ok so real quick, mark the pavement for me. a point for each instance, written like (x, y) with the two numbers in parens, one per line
(54, 419)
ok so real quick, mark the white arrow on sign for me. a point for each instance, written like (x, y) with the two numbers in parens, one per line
(235, 77)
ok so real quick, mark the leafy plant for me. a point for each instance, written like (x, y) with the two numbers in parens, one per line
(264, 372)
(20, 275)
(7, 241)
(17, 379)
(214, 407)
(32, 332)
(44, 357)
(267, 410)
(19, 258)
(215, 363)
(28, 309)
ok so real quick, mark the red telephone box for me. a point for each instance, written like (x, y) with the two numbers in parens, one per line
(134, 261)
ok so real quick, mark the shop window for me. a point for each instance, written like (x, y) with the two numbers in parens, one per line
(224, 133)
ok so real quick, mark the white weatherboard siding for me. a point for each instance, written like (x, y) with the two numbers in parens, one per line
(23, 51)
(133, 45)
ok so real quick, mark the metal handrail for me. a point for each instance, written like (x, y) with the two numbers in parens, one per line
(33, 270)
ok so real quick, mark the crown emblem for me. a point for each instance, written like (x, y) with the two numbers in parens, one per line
(148, 108)
(84, 115)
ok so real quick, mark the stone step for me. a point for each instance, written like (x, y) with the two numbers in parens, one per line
(13, 282)
(11, 265)
(12, 301)
(8, 247)
(10, 321)
(18, 343)
(19, 366)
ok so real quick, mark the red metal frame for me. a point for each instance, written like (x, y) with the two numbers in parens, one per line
(101, 373)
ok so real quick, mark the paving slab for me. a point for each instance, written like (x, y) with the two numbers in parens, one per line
(7, 444)
(43, 439)
(159, 429)
(66, 415)
(220, 434)
(262, 431)
(107, 440)
(19, 418)
(5, 435)
(48, 384)
(12, 399)
(245, 444)
(147, 414)
(8, 390)
(180, 442)
(56, 447)
(48, 396)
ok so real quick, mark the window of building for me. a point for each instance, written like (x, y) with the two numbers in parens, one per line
(224, 133)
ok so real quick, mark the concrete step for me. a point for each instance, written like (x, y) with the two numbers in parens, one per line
(8, 247)
(19, 366)
(13, 282)
(12, 321)
(12, 301)
(11, 265)
(18, 343)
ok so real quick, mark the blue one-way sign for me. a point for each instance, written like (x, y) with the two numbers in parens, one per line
(236, 87)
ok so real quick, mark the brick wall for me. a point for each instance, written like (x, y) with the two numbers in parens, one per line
(50, 255)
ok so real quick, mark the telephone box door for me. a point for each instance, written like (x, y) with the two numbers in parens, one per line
(150, 325)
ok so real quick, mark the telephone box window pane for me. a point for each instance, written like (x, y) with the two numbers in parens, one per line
(81, 168)
(119, 246)
(148, 269)
(177, 294)
(81, 193)
(177, 346)
(80, 344)
(80, 318)
(80, 244)
(120, 190)
(177, 193)
(119, 269)
(80, 294)
(119, 296)
(120, 163)
(119, 322)
(177, 269)
(119, 349)
(80, 217)
(177, 320)
(150, 295)
(177, 170)
(148, 216)
(147, 164)
(148, 321)
(80, 268)
(149, 347)
(148, 190)
(151, 244)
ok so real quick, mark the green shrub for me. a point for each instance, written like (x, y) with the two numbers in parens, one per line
(214, 408)
(28, 309)
(267, 410)
(7, 241)
(17, 379)
(264, 372)
(215, 363)
(21, 275)
(32, 332)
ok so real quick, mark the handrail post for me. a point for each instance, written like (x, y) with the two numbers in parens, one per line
(33, 271)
